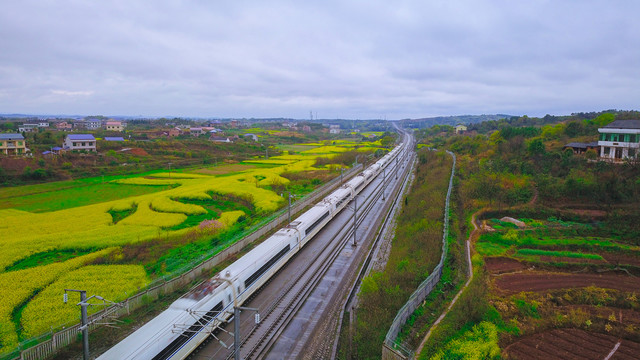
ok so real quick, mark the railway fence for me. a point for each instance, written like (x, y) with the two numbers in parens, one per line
(391, 348)
(46, 345)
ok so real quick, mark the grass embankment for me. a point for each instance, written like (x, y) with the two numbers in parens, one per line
(416, 251)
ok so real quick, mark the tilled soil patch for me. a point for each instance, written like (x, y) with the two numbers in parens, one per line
(541, 281)
(571, 344)
(621, 259)
(501, 265)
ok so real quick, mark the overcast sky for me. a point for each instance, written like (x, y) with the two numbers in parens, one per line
(338, 59)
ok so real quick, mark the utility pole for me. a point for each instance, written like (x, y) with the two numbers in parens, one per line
(341, 172)
(85, 319)
(84, 304)
(289, 193)
(236, 319)
(384, 182)
(289, 196)
(396, 168)
(355, 221)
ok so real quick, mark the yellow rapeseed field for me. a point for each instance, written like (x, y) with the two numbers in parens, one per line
(16, 287)
(112, 282)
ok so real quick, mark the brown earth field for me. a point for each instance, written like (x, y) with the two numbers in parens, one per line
(594, 214)
(501, 265)
(571, 344)
(621, 259)
(541, 281)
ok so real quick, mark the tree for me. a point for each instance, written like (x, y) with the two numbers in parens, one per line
(604, 119)
(386, 141)
(574, 129)
(536, 147)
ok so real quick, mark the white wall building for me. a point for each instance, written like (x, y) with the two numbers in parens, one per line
(79, 142)
(619, 140)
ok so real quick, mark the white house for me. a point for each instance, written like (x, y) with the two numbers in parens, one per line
(619, 140)
(28, 127)
(84, 142)
(220, 139)
(460, 128)
(113, 125)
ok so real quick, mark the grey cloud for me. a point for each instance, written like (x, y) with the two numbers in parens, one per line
(342, 59)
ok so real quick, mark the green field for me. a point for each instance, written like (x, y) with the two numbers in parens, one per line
(86, 194)
(569, 254)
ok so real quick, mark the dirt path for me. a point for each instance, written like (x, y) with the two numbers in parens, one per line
(473, 234)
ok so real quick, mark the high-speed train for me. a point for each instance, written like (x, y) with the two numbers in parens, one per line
(177, 331)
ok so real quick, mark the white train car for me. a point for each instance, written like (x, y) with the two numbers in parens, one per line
(177, 331)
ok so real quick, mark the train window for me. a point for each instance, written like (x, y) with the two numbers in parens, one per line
(316, 223)
(251, 279)
(238, 290)
(229, 297)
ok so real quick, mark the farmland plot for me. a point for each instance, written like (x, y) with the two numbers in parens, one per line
(558, 293)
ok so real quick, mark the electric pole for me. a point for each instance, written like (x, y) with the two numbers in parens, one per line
(355, 221)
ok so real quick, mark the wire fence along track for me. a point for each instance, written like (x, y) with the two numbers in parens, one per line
(49, 343)
(391, 349)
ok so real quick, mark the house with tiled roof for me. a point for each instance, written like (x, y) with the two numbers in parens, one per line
(620, 140)
(581, 148)
(79, 142)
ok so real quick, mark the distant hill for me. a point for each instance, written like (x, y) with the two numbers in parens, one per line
(452, 120)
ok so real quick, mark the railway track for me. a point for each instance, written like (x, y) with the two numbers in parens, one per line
(257, 343)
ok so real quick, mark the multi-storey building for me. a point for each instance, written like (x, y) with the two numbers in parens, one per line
(620, 140)
(12, 144)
